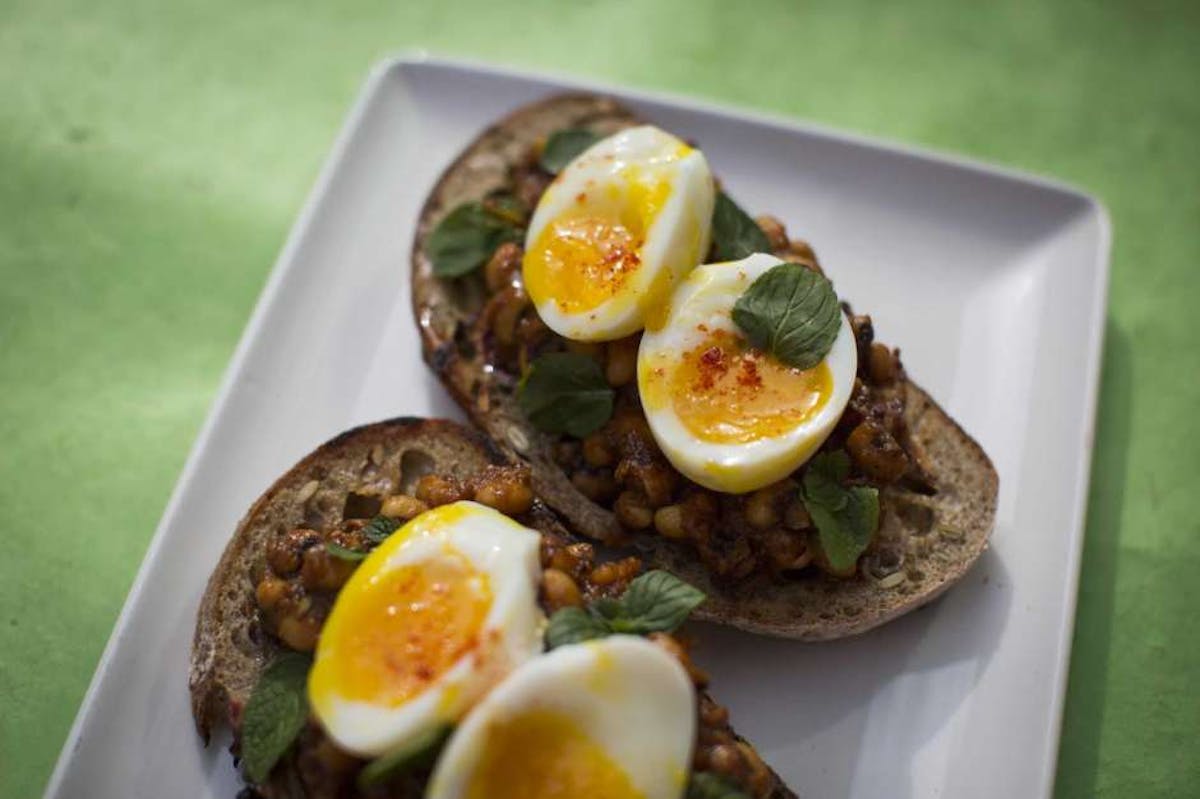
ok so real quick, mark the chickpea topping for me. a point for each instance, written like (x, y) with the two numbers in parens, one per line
(510, 496)
(761, 510)
(633, 511)
(616, 571)
(796, 516)
(590, 349)
(774, 230)
(402, 507)
(653, 480)
(504, 264)
(511, 304)
(668, 521)
(560, 590)
(596, 485)
(882, 366)
(270, 592)
(322, 572)
(597, 451)
(712, 714)
(435, 490)
(299, 632)
(620, 366)
(877, 453)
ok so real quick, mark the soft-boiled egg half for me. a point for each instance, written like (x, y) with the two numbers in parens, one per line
(728, 416)
(616, 231)
(432, 618)
(613, 718)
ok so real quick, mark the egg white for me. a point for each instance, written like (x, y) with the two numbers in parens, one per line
(597, 182)
(512, 628)
(628, 695)
(706, 298)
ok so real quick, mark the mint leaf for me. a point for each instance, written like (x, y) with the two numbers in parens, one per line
(417, 752)
(735, 235)
(565, 393)
(656, 602)
(565, 146)
(378, 529)
(791, 312)
(705, 785)
(466, 237)
(573, 625)
(846, 518)
(344, 553)
(275, 714)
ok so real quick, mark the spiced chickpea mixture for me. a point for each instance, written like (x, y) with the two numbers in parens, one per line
(620, 466)
(300, 579)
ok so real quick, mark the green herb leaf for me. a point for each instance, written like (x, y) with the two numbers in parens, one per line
(656, 602)
(466, 238)
(564, 146)
(378, 529)
(792, 313)
(565, 393)
(573, 625)
(418, 752)
(846, 518)
(735, 235)
(343, 553)
(275, 714)
(705, 785)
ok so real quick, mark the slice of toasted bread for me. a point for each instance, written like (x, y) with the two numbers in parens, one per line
(230, 648)
(942, 535)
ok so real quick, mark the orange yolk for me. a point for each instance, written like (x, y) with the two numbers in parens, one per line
(586, 256)
(544, 755)
(726, 392)
(395, 634)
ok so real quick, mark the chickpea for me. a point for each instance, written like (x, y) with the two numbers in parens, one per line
(597, 451)
(560, 590)
(591, 349)
(774, 230)
(300, 632)
(284, 551)
(509, 496)
(725, 759)
(761, 509)
(759, 778)
(596, 485)
(323, 572)
(796, 516)
(502, 266)
(877, 453)
(882, 366)
(615, 571)
(270, 592)
(652, 479)
(712, 714)
(800, 250)
(620, 366)
(633, 511)
(402, 507)
(668, 521)
(511, 305)
(436, 490)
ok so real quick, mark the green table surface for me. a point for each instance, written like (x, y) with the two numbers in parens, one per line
(153, 156)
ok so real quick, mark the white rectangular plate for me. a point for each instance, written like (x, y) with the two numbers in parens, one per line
(992, 283)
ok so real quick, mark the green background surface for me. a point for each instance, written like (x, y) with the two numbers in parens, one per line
(153, 157)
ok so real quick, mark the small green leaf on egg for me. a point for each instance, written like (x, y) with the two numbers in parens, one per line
(792, 313)
(564, 146)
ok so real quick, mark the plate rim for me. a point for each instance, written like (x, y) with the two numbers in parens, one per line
(401, 60)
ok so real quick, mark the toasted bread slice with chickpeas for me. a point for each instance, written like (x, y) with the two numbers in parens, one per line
(756, 555)
(283, 569)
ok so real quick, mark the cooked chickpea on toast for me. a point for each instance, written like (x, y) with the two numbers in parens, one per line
(378, 626)
(683, 377)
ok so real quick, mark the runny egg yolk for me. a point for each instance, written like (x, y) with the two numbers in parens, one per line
(584, 257)
(545, 755)
(402, 629)
(727, 392)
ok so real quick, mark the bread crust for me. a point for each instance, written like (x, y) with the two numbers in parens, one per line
(943, 536)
